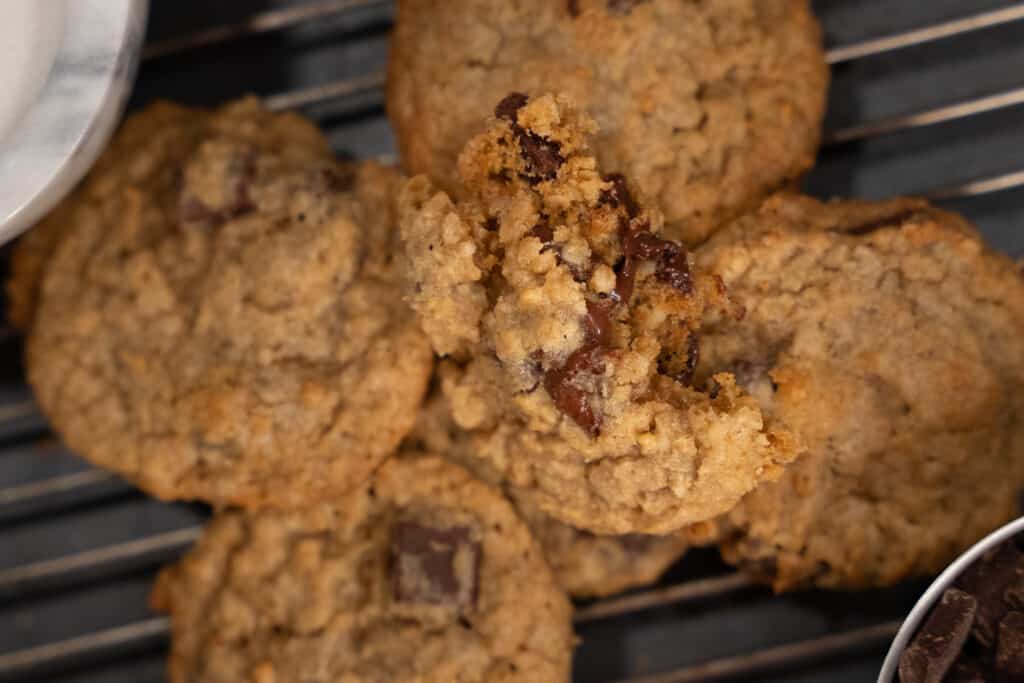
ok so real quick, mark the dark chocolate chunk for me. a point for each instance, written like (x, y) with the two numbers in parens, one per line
(491, 224)
(970, 670)
(438, 566)
(933, 650)
(574, 7)
(509, 107)
(543, 156)
(564, 384)
(987, 580)
(1010, 648)
(879, 223)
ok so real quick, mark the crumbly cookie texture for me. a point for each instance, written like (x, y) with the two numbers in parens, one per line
(576, 324)
(585, 564)
(165, 131)
(231, 328)
(421, 575)
(706, 106)
(888, 338)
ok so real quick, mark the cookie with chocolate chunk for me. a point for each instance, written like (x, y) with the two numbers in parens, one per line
(888, 338)
(576, 325)
(223, 317)
(706, 106)
(585, 564)
(422, 574)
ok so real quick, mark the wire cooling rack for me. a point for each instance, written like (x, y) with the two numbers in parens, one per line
(927, 98)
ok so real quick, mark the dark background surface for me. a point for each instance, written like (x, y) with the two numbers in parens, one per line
(105, 512)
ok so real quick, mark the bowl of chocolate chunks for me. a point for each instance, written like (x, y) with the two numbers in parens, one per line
(968, 627)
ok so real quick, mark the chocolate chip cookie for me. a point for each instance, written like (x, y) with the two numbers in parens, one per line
(576, 324)
(165, 131)
(230, 327)
(706, 106)
(888, 338)
(422, 574)
(585, 564)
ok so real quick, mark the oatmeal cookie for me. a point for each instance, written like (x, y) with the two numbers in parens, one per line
(421, 575)
(577, 327)
(232, 327)
(888, 338)
(706, 106)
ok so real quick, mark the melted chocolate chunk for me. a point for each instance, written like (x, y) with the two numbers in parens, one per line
(574, 7)
(598, 323)
(891, 220)
(544, 233)
(624, 6)
(1010, 648)
(619, 195)
(673, 268)
(437, 566)
(491, 224)
(509, 107)
(931, 654)
(543, 156)
(564, 386)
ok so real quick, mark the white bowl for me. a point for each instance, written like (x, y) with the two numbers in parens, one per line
(73, 75)
(917, 615)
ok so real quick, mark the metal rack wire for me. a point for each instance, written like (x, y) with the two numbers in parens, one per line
(27, 502)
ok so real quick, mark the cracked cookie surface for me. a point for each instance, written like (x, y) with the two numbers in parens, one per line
(888, 338)
(576, 326)
(705, 106)
(167, 132)
(422, 574)
(585, 564)
(231, 328)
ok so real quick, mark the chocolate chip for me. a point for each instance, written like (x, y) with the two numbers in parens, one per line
(987, 580)
(564, 384)
(935, 647)
(624, 6)
(1010, 649)
(894, 219)
(543, 156)
(574, 7)
(433, 565)
(491, 224)
(509, 107)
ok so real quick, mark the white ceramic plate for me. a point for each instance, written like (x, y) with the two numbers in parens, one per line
(73, 85)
